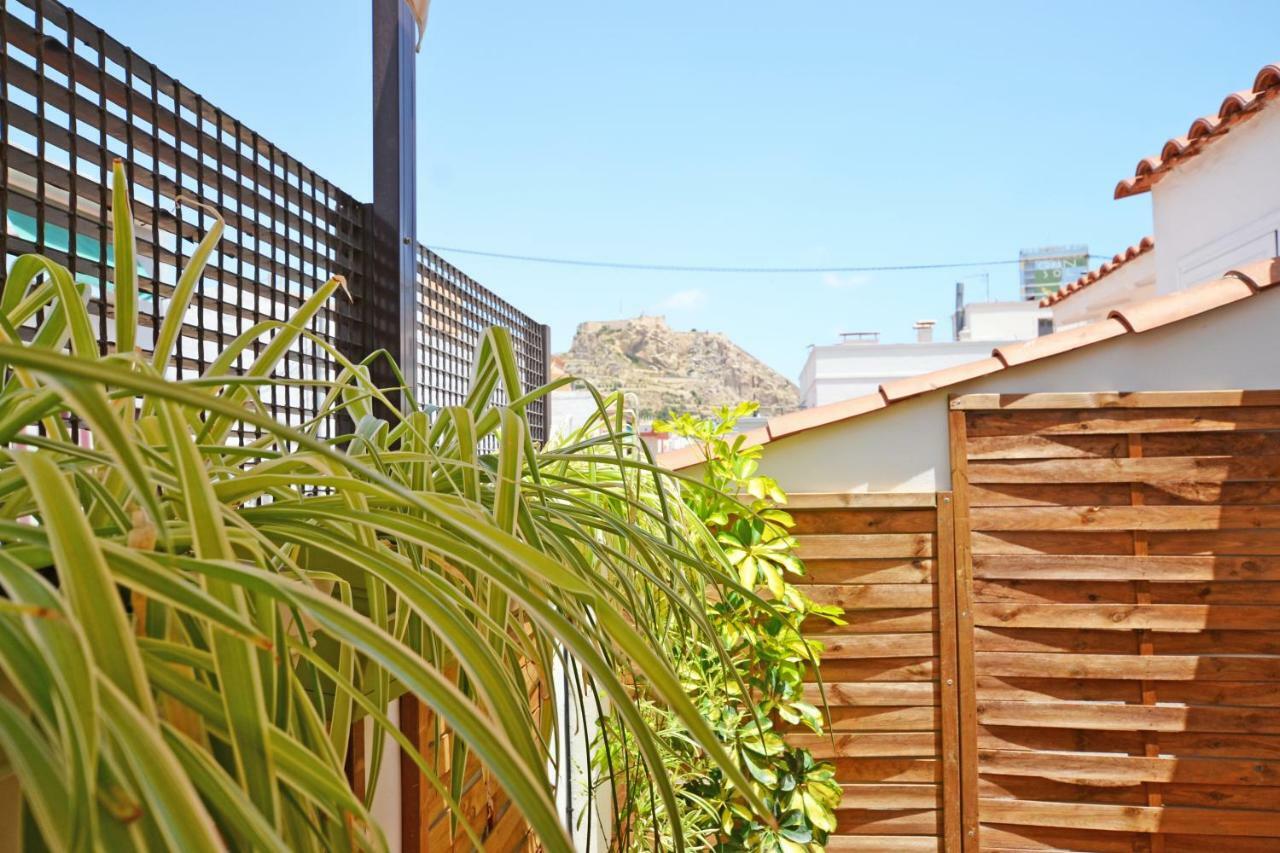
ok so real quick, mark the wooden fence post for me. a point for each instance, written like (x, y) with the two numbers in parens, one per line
(963, 569)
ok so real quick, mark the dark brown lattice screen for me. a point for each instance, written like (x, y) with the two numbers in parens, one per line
(73, 99)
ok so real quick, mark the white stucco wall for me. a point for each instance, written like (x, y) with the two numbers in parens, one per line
(844, 371)
(1135, 280)
(904, 448)
(1220, 208)
(1003, 321)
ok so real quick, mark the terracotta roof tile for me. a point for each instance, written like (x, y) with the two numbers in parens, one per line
(1162, 310)
(1260, 274)
(1146, 244)
(900, 389)
(1235, 108)
(804, 419)
(1081, 336)
(1130, 319)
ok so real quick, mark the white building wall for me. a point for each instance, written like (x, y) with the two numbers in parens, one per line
(1003, 321)
(844, 371)
(1220, 208)
(1135, 280)
(904, 448)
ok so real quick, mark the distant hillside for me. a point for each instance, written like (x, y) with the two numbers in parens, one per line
(663, 370)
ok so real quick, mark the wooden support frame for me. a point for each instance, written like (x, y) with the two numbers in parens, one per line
(962, 573)
(949, 676)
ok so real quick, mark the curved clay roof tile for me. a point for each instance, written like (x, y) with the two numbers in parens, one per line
(1174, 148)
(1235, 103)
(1203, 126)
(1236, 107)
(1143, 246)
(1268, 78)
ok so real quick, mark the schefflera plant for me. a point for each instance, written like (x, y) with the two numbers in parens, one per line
(758, 615)
(190, 626)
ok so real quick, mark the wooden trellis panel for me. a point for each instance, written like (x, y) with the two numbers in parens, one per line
(887, 673)
(1119, 634)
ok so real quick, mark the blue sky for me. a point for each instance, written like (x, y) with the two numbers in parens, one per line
(737, 133)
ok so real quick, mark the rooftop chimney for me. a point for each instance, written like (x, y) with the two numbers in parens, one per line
(924, 331)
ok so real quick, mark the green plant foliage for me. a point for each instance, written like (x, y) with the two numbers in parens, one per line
(189, 625)
(745, 685)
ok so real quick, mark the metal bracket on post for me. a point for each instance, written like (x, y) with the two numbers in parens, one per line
(393, 214)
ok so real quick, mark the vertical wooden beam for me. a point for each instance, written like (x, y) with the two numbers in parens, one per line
(355, 765)
(414, 807)
(967, 682)
(948, 674)
(1142, 595)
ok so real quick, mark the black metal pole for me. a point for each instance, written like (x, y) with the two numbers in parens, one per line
(393, 218)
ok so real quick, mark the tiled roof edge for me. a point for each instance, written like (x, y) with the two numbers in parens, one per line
(1136, 318)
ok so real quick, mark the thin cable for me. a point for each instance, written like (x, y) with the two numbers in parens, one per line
(621, 265)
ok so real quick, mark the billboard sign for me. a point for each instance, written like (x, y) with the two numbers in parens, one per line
(1042, 271)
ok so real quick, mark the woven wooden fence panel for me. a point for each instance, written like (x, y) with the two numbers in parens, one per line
(1121, 670)
(879, 557)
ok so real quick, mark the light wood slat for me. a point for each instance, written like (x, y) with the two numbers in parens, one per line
(1222, 796)
(1117, 494)
(882, 844)
(1035, 839)
(991, 447)
(877, 622)
(1242, 542)
(1125, 518)
(882, 570)
(820, 546)
(844, 718)
(1115, 400)
(1108, 568)
(1060, 740)
(881, 669)
(1180, 618)
(884, 596)
(1106, 771)
(1104, 421)
(1065, 543)
(1211, 444)
(1156, 469)
(869, 744)
(1057, 494)
(1117, 592)
(901, 821)
(855, 770)
(1132, 818)
(1125, 667)
(1052, 592)
(1200, 843)
(837, 521)
(1099, 715)
(865, 646)
(1117, 642)
(877, 694)
(860, 500)
(1034, 788)
(890, 796)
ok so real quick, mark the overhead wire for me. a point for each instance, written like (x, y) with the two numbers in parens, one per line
(654, 267)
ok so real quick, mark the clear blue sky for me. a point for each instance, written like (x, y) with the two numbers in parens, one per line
(736, 133)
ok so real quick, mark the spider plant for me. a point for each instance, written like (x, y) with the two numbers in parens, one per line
(190, 624)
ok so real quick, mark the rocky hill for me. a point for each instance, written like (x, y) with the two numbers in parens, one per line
(663, 370)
